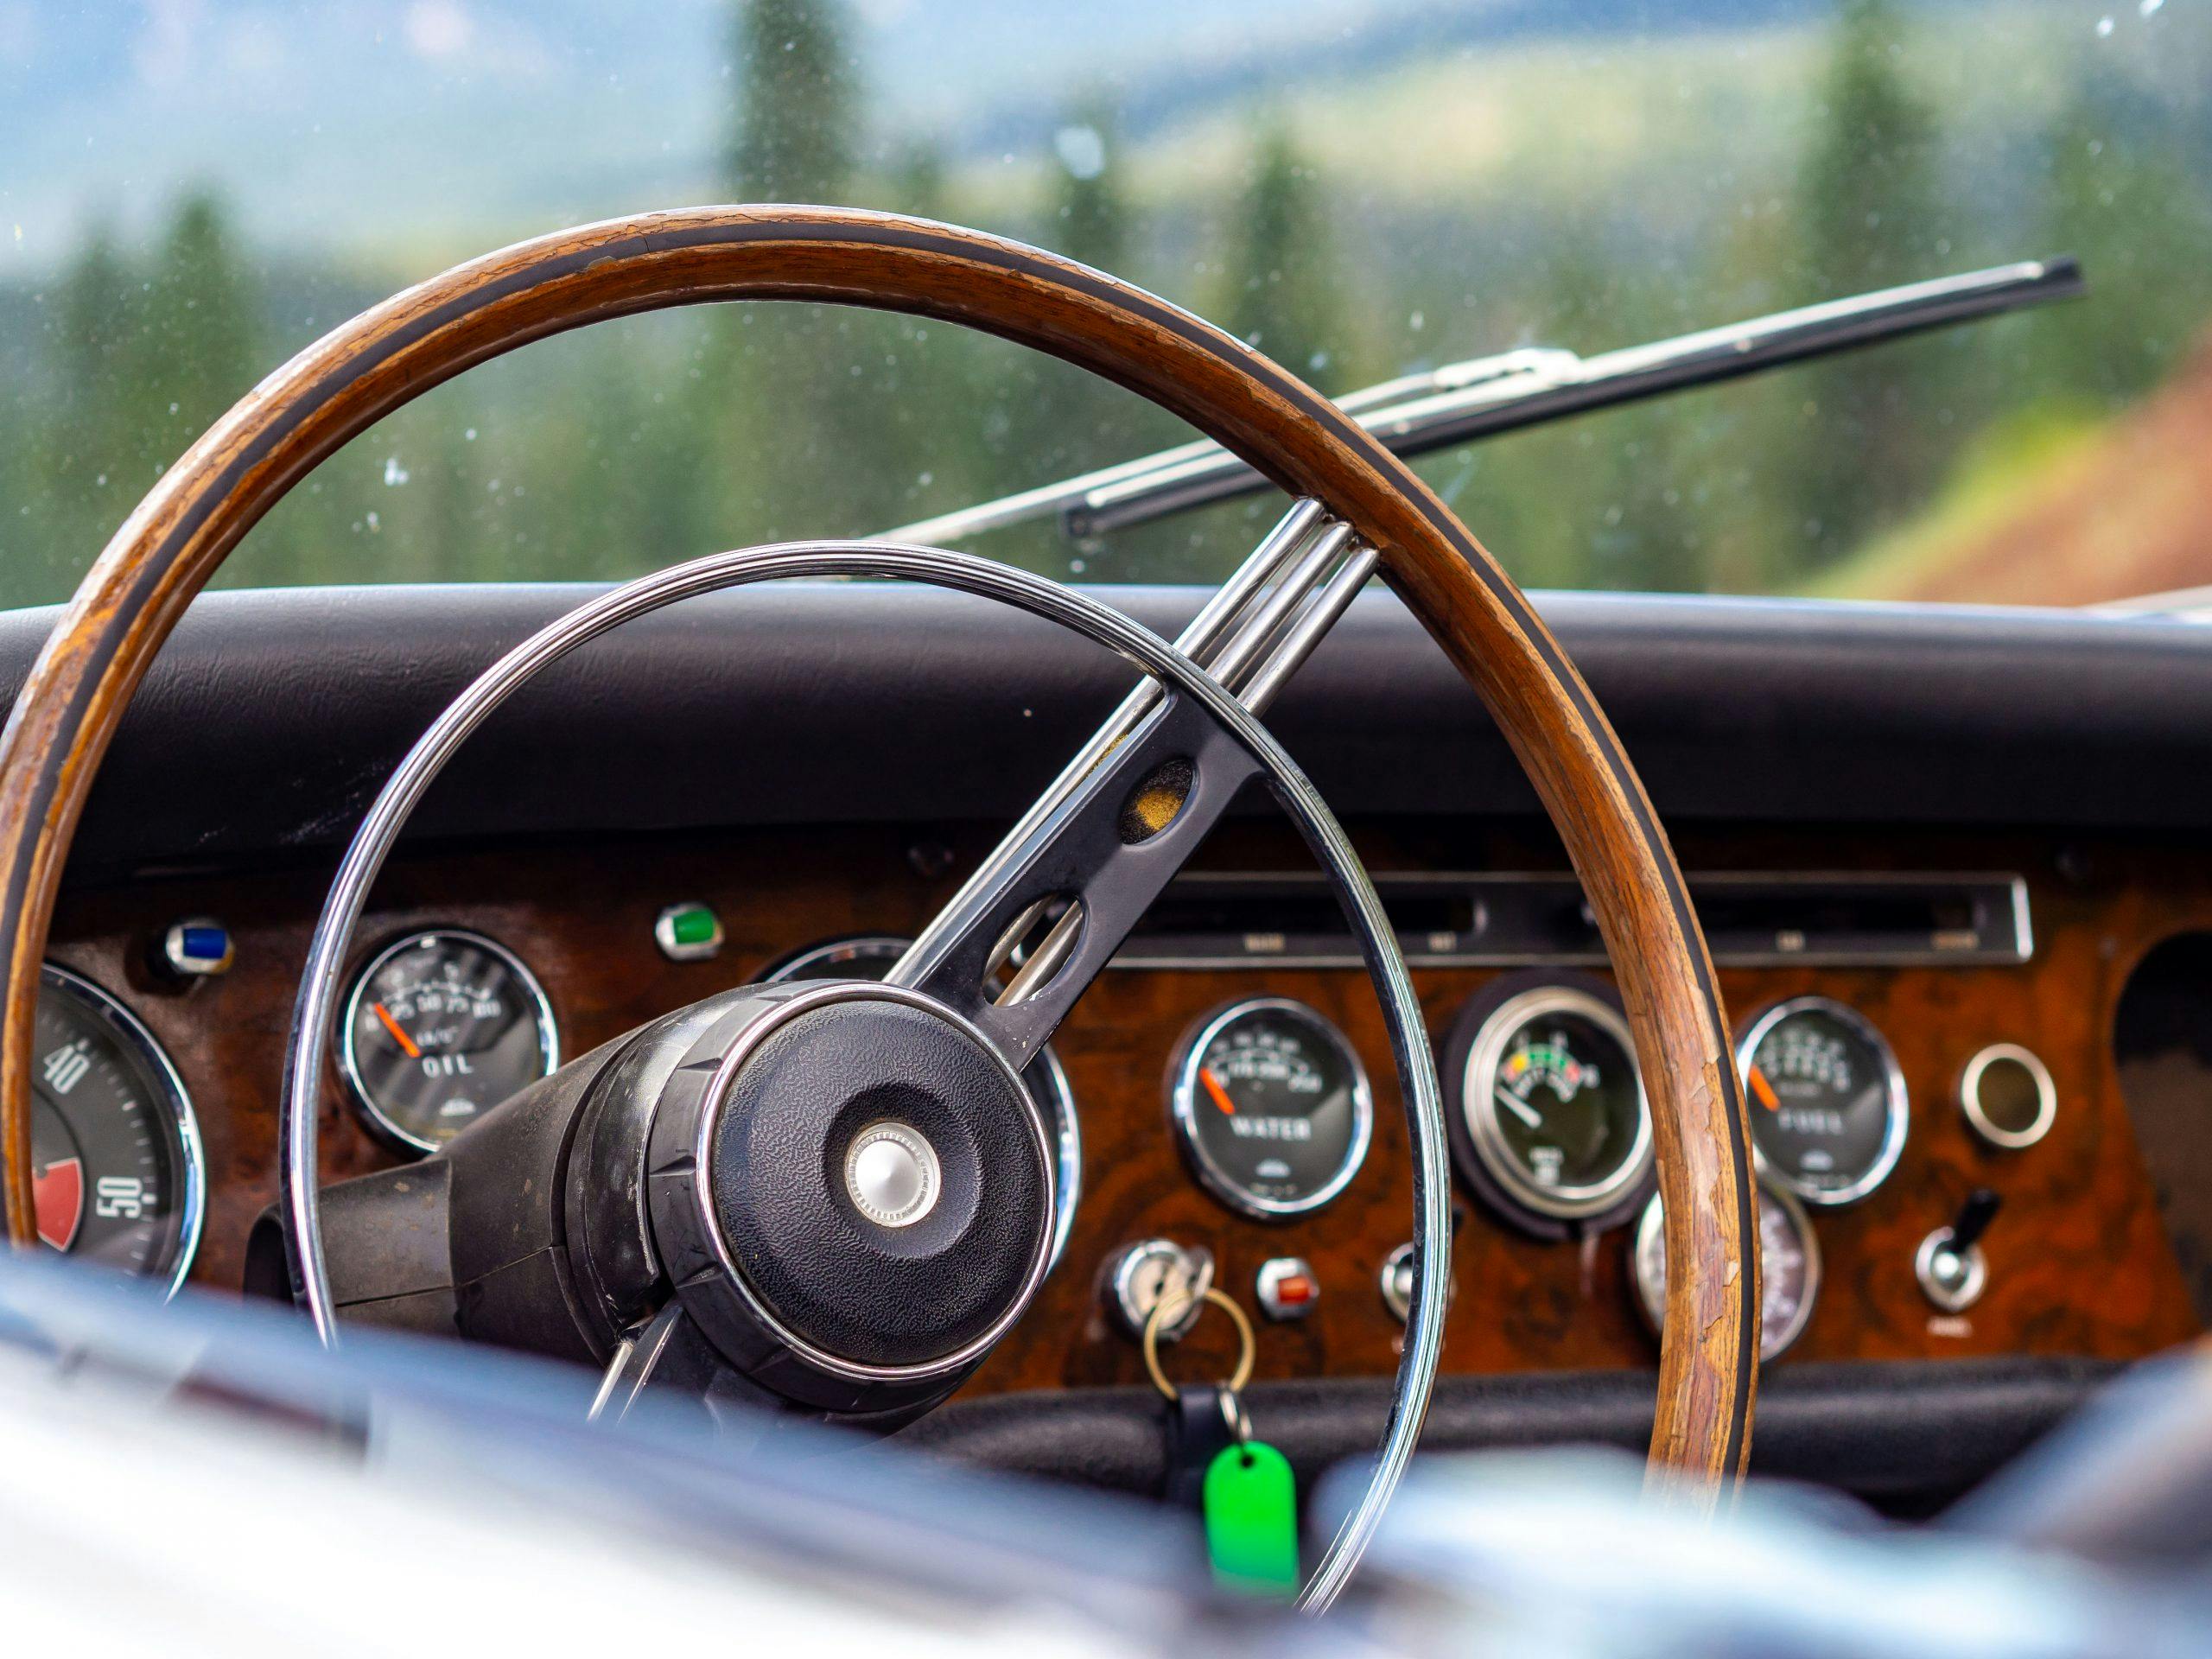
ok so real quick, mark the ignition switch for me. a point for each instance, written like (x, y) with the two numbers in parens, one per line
(1154, 1270)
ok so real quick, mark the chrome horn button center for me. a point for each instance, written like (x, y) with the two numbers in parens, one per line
(892, 1174)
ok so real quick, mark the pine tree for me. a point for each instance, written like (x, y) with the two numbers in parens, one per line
(198, 342)
(2130, 213)
(918, 183)
(788, 413)
(1285, 297)
(1092, 221)
(1067, 420)
(794, 136)
(1870, 216)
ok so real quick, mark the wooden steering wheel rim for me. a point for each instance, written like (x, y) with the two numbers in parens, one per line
(60, 727)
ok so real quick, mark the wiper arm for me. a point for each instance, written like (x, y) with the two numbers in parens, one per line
(1484, 397)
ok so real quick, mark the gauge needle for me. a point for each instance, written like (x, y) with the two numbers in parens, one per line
(1520, 1108)
(397, 1035)
(1213, 1087)
(1763, 1090)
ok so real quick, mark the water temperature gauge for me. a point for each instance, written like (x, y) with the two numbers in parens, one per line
(440, 1027)
(1272, 1106)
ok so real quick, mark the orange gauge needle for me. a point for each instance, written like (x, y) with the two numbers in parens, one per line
(1213, 1087)
(397, 1035)
(1763, 1090)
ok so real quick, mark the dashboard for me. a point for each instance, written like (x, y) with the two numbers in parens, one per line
(1950, 864)
(1248, 1107)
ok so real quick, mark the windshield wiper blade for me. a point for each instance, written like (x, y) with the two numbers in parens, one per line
(1484, 397)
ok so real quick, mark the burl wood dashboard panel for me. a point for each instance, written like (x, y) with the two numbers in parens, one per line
(2080, 1263)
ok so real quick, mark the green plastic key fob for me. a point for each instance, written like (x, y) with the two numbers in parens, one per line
(1251, 1511)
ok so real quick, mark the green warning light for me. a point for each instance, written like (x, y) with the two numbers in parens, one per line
(687, 932)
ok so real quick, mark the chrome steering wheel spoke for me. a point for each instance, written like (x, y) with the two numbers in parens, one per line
(1043, 914)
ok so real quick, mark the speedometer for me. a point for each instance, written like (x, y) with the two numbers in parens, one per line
(117, 1173)
(1789, 1269)
(1272, 1107)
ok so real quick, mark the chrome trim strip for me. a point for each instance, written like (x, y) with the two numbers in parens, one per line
(2018, 951)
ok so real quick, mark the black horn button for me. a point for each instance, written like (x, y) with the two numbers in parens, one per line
(861, 1189)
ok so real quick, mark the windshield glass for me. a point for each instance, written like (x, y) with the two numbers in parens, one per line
(191, 190)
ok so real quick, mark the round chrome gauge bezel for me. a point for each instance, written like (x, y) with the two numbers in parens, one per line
(191, 1173)
(1651, 1291)
(1898, 1102)
(1479, 1108)
(1067, 1131)
(1183, 1109)
(365, 1105)
(1977, 1114)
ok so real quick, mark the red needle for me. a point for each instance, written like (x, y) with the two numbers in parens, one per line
(397, 1035)
(1213, 1087)
(1764, 1091)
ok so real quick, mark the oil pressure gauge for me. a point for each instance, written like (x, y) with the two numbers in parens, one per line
(1272, 1107)
(441, 1027)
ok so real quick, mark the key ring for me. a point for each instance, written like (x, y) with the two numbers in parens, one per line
(1166, 1306)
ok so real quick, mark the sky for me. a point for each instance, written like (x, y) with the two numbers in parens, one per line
(356, 124)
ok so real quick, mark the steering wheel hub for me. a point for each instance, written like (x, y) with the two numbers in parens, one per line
(892, 1174)
(849, 1179)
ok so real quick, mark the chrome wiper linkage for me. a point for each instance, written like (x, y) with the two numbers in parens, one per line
(1483, 397)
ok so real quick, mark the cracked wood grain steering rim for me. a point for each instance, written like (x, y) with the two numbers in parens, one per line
(165, 552)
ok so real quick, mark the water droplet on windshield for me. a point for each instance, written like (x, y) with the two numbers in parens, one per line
(2104, 27)
(394, 473)
(1081, 150)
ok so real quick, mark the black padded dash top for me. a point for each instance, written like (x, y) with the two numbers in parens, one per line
(863, 1291)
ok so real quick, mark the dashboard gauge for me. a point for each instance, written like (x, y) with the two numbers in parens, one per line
(117, 1173)
(1549, 1114)
(869, 956)
(1790, 1267)
(1272, 1107)
(441, 1027)
(1827, 1101)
